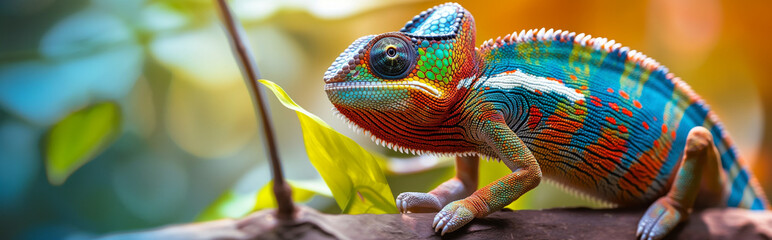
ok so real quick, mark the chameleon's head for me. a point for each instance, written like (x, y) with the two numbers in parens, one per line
(394, 82)
(417, 68)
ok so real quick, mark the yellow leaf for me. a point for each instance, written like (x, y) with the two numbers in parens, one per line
(352, 173)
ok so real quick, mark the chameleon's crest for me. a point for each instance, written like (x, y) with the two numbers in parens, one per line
(440, 22)
(598, 44)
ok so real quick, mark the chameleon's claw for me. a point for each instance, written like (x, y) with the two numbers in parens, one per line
(401, 205)
(638, 232)
(439, 225)
(453, 216)
(660, 219)
(417, 202)
(439, 221)
(444, 230)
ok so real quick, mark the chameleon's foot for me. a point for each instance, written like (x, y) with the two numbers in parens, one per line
(417, 202)
(453, 216)
(662, 217)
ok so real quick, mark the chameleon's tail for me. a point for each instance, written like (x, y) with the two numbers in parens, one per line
(743, 190)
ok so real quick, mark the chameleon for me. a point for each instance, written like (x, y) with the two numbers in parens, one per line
(585, 113)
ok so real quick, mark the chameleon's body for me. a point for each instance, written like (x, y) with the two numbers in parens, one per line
(585, 112)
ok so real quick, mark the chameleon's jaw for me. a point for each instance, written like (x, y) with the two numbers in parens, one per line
(399, 147)
(381, 86)
(359, 129)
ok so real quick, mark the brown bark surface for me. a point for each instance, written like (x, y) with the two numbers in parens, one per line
(572, 223)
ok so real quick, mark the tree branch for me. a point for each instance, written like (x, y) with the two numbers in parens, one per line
(572, 223)
(249, 69)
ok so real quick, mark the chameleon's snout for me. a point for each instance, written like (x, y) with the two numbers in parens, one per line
(344, 66)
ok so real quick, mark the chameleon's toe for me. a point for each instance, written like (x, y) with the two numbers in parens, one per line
(453, 216)
(417, 202)
(661, 218)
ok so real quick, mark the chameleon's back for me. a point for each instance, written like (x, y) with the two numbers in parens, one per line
(616, 120)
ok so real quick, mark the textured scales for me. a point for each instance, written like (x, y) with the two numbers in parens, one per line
(584, 112)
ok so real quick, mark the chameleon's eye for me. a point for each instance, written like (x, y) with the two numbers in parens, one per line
(392, 57)
(391, 51)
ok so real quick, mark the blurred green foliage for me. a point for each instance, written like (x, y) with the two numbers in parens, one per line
(234, 205)
(79, 137)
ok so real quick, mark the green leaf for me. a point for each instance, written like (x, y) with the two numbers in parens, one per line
(234, 205)
(352, 173)
(78, 138)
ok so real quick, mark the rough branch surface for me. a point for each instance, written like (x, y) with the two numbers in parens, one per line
(574, 223)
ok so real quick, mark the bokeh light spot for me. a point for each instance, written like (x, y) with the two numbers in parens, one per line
(209, 122)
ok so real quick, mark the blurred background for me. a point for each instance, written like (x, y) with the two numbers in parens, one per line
(187, 129)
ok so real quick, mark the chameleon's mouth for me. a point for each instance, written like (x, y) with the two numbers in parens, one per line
(337, 86)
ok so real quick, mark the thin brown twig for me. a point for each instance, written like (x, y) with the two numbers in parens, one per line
(249, 69)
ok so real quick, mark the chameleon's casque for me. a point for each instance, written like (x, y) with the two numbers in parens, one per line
(584, 112)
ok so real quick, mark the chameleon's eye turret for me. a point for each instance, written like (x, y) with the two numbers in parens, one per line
(392, 57)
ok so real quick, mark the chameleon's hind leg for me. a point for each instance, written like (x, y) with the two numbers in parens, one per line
(458, 187)
(699, 167)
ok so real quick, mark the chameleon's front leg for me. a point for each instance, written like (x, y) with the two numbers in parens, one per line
(526, 174)
(463, 184)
